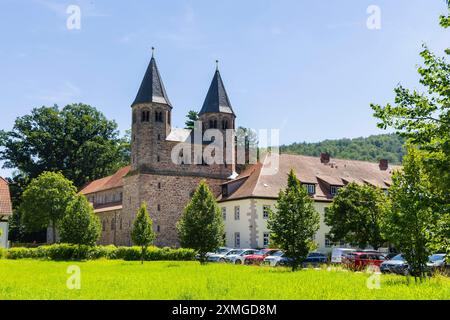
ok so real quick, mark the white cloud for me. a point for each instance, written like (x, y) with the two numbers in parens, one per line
(65, 94)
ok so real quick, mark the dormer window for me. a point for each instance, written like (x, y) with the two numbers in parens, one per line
(334, 190)
(310, 188)
(224, 190)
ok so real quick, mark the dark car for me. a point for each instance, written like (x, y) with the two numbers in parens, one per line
(313, 259)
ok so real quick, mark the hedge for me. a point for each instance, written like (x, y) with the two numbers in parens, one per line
(65, 251)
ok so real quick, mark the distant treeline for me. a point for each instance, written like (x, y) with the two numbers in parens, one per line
(373, 148)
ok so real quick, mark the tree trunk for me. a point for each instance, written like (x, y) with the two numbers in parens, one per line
(54, 231)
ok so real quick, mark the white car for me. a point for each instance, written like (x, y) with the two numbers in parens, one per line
(238, 257)
(337, 253)
(221, 256)
(274, 259)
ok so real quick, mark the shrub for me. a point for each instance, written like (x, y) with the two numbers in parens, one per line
(3, 253)
(20, 253)
(64, 251)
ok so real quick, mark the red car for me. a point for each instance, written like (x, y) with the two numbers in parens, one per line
(359, 260)
(258, 257)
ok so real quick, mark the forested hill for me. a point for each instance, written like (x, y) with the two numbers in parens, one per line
(373, 148)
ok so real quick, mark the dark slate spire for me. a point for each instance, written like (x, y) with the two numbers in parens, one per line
(216, 98)
(152, 87)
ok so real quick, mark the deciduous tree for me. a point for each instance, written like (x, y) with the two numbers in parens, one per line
(80, 225)
(201, 226)
(294, 222)
(142, 233)
(356, 215)
(45, 200)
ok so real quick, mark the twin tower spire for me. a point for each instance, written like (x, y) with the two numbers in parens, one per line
(152, 90)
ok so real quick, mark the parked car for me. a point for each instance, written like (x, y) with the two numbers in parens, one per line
(313, 259)
(221, 256)
(238, 257)
(258, 257)
(220, 250)
(359, 260)
(337, 253)
(396, 265)
(274, 259)
(389, 256)
(436, 262)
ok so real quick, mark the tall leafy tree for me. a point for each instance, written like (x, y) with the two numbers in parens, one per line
(142, 233)
(424, 118)
(294, 222)
(77, 140)
(80, 225)
(201, 226)
(411, 220)
(357, 214)
(45, 200)
(191, 117)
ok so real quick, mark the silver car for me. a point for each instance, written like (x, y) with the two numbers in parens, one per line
(238, 257)
(221, 256)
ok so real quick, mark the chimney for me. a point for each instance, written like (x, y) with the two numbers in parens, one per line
(384, 164)
(324, 157)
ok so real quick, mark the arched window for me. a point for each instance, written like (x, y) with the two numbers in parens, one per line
(158, 116)
(213, 124)
(145, 116)
(134, 116)
(113, 224)
(224, 124)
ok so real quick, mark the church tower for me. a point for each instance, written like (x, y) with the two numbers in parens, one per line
(151, 120)
(217, 113)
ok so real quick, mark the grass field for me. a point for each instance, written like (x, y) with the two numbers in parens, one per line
(105, 279)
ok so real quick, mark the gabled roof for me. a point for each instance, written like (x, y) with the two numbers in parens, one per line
(5, 198)
(216, 99)
(265, 184)
(111, 182)
(152, 87)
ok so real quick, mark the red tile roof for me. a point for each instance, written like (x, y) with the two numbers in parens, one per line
(111, 182)
(337, 172)
(5, 198)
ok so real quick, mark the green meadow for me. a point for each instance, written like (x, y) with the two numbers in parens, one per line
(117, 279)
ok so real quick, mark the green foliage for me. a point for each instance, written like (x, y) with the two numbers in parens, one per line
(77, 140)
(373, 148)
(357, 214)
(154, 254)
(80, 225)
(295, 221)
(3, 252)
(410, 222)
(191, 117)
(142, 233)
(424, 118)
(201, 226)
(66, 251)
(45, 201)
(175, 280)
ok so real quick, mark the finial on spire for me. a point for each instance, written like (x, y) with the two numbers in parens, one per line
(153, 51)
(217, 64)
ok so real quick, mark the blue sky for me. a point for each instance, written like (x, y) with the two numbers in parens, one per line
(310, 68)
